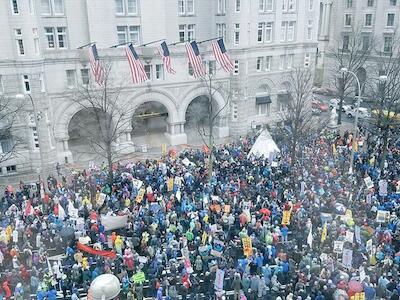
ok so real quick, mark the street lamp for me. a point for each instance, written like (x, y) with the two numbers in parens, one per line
(343, 71)
(38, 116)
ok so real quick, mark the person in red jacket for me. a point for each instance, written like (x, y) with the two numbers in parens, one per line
(7, 290)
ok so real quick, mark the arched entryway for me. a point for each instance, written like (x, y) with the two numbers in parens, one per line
(87, 131)
(149, 125)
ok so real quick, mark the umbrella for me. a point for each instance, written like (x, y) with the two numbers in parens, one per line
(354, 287)
(66, 232)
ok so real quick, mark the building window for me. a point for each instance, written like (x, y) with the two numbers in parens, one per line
(310, 4)
(283, 31)
(5, 145)
(55, 6)
(45, 7)
(290, 59)
(236, 36)
(71, 78)
(260, 32)
(191, 34)
(221, 30)
(212, 67)
(32, 7)
(58, 7)
(133, 32)
(368, 20)
(349, 3)
(62, 37)
(387, 44)
(284, 5)
(347, 20)
(291, 31)
(266, 5)
(263, 109)
(159, 72)
(85, 76)
(390, 20)
(237, 5)
(35, 138)
(259, 63)
(221, 7)
(147, 69)
(268, 32)
(26, 84)
(190, 69)
(267, 63)
(182, 33)
(185, 7)
(346, 40)
(370, 3)
(306, 60)
(309, 29)
(129, 7)
(11, 169)
(292, 5)
(14, 7)
(236, 67)
(281, 62)
(393, 2)
(365, 43)
(234, 111)
(20, 41)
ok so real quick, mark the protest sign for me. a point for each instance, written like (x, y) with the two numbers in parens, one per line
(358, 296)
(286, 217)
(368, 182)
(347, 257)
(140, 195)
(204, 238)
(170, 184)
(338, 246)
(139, 277)
(137, 183)
(247, 246)
(357, 231)
(218, 248)
(368, 246)
(382, 216)
(382, 187)
(362, 273)
(219, 280)
(349, 236)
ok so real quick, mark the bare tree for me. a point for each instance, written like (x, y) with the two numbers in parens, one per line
(10, 139)
(110, 118)
(297, 119)
(385, 88)
(351, 50)
(204, 115)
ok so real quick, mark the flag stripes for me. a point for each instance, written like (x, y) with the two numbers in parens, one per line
(95, 65)
(222, 56)
(164, 52)
(137, 69)
(195, 60)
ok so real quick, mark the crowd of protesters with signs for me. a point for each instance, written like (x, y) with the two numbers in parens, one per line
(258, 228)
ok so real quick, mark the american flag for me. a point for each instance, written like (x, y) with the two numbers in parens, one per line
(164, 52)
(193, 53)
(137, 69)
(222, 56)
(95, 65)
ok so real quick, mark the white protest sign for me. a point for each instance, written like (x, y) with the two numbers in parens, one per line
(382, 216)
(368, 246)
(219, 280)
(383, 187)
(347, 257)
(368, 182)
(338, 246)
(362, 273)
(137, 183)
(357, 231)
(114, 222)
(349, 236)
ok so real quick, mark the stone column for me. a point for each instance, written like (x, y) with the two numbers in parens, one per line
(175, 133)
(64, 154)
(326, 19)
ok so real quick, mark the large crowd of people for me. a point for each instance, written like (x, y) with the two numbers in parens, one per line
(257, 228)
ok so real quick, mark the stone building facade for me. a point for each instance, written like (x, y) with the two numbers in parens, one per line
(39, 56)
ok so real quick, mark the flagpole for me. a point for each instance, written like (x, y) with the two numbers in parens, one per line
(216, 38)
(81, 47)
(176, 43)
(143, 45)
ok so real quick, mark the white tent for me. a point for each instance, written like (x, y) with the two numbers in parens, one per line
(265, 146)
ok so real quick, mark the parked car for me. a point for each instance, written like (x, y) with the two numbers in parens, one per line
(347, 107)
(362, 113)
(334, 103)
(316, 104)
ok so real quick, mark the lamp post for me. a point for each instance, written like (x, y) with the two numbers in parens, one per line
(37, 117)
(345, 70)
